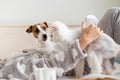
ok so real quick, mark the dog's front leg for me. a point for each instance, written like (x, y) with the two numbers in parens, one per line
(108, 69)
(94, 62)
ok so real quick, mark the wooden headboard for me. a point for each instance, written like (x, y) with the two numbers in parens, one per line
(13, 39)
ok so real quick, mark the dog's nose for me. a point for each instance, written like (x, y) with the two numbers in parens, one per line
(44, 37)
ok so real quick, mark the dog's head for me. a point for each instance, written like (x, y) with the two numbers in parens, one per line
(39, 31)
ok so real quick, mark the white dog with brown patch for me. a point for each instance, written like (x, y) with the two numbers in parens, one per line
(58, 36)
(40, 33)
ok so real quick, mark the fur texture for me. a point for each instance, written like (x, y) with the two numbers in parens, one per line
(58, 37)
(99, 51)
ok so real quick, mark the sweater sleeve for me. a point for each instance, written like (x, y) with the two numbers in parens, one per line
(67, 59)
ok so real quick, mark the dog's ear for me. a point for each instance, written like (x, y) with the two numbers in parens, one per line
(46, 24)
(29, 30)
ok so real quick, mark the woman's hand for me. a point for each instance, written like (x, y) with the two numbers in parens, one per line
(89, 34)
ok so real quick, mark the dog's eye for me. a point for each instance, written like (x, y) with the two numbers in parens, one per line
(44, 28)
(37, 30)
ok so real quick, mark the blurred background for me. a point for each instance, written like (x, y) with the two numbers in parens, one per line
(17, 15)
(25, 12)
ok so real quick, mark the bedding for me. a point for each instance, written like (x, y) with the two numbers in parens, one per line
(20, 67)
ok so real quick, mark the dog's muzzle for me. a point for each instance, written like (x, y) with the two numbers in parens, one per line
(44, 37)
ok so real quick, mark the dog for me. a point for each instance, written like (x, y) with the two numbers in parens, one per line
(99, 52)
(40, 33)
(57, 35)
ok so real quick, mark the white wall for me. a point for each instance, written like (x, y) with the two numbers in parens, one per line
(26, 12)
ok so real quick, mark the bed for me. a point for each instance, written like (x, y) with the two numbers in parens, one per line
(13, 40)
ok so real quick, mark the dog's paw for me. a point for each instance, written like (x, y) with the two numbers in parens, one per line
(96, 71)
(56, 25)
(108, 72)
(53, 28)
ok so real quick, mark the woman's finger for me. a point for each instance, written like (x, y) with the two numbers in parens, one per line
(83, 25)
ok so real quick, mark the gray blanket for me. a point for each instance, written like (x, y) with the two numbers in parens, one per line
(20, 66)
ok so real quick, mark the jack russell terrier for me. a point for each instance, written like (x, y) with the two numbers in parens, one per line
(98, 52)
(40, 32)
